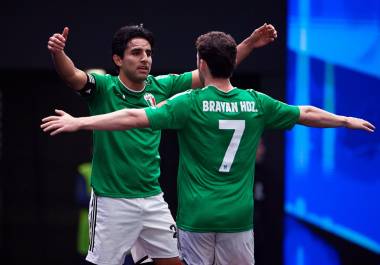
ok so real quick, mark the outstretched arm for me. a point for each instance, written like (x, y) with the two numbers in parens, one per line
(259, 38)
(315, 117)
(124, 119)
(74, 77)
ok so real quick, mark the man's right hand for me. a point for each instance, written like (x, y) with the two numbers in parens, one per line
(74, 77)
(57, 41)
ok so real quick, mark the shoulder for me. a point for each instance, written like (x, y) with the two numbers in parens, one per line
(259, 96)
(185, 95)
(154, 82)
(253, 92)
(249, 93)
(169, 78)
(160, 78)
(100, 78)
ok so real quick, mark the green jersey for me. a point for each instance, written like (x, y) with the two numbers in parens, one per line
(218, 134)
(126, 164)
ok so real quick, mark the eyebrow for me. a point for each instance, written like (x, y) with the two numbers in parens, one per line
(140, 49)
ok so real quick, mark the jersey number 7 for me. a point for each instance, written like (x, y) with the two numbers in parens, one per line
(238, 126)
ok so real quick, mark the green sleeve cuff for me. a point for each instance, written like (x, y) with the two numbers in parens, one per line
(149, 111)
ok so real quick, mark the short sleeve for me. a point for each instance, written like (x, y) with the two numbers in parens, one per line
(96, 85)
(172, 115)
(175, 83)
(278, 115)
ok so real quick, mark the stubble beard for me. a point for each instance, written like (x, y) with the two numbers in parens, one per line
(134, 77)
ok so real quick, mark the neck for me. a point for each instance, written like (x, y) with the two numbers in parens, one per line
(131, 85)
(223, 84)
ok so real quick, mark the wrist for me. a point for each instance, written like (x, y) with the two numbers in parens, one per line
(57, 53)
(251, 42)
(344, 121)
(80, 123)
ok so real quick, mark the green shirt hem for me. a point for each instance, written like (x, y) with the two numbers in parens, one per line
(127, 196)
(211, 230)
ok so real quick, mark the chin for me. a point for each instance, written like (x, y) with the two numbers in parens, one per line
(143, 77)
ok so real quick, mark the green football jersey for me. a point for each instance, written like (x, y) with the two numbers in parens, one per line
(126, 164)
(218, 135)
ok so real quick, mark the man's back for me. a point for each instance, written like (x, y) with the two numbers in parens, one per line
(218, 135)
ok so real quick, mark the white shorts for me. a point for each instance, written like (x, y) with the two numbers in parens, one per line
(216, 248)
(117, 224)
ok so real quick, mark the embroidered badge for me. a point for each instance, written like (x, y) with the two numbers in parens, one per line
(149, 98)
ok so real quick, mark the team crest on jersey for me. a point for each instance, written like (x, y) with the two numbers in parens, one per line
(149, 98)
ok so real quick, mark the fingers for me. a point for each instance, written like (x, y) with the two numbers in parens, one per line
(55, 124)
(369, 127)
(263, 27)
(58, 131)
(60, 112)
(65, 32)
(269, 26)
(51, 126)
(54, 127)
(267, 31)
(271, 31)
(46, 124)
(50, 121)
(50, 118)
(357, 123)
(57, 41)
(55, 45)
(363, 124)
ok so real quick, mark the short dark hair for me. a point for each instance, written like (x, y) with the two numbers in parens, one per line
(125, 34)
(219, 51)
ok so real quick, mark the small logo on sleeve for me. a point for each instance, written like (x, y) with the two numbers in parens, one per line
(91, 79)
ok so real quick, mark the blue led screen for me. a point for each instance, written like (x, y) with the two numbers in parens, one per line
(333, 62)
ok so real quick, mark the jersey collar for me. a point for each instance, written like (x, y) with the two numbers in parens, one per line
(131, 91)
(231, 92)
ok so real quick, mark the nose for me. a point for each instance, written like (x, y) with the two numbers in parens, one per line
(144, 57)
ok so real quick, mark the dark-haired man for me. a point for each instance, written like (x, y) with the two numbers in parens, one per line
(127, 204)
(219, 128)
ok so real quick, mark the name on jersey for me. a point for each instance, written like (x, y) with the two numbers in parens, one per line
(221, 106)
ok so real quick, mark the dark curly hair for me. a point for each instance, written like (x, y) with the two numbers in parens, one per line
(125, 34)
(219, 51)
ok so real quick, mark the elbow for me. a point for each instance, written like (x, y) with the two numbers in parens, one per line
(307, 116)
(77, 80)
(133, 118)
(307, 109)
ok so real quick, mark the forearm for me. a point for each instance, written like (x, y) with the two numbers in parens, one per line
(124, 119)
(315, 117)
(259, 38)
(66, 69)
(244, 49)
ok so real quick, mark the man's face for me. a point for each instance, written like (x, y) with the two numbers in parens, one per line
(137, 60)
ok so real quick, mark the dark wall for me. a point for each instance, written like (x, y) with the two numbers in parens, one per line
(39, 212)
(26, 26)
